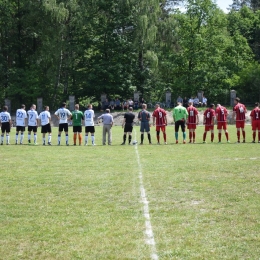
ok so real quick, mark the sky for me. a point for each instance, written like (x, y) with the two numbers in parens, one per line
(224, 4)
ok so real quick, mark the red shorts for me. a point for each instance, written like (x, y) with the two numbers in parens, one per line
(209, 127)
(256, 125)
(162, 127)
(222, 125)
(240, 124)
(192, 126)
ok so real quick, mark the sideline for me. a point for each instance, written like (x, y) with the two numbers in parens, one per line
(149, 237)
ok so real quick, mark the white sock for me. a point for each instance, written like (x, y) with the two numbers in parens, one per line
(49, 138)
(7, 138)
(35, 138)
(21, 139)
(86, 138)
(93, 139)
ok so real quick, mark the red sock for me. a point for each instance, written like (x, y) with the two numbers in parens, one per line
(226, 135)
(254, 135)
(80, 138)
(219, 137)
(238, 135)
(204, 136)
(212, 137)
(164, 136)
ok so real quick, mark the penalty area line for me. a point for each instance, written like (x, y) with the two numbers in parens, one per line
(149, 237)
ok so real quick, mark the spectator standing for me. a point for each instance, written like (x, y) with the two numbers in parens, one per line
(221, 117)
(32, 123)
(144, 117)
(239, 111)
(107, 125)
(179, 100)
(5, 124)
(208, 121)
(192, 121)
(45, 118)
(21, 118)
(89, 116)
(77, 117)
(180, 115)
(255, 121)
(159, 115)
(128, 125)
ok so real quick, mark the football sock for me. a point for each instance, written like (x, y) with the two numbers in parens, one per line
(21, 138)
(254, 135)
(67, 138)
(43, 139)
(212, 137)
(29, 137)
(176, 135)
(244, 134)
(164, 136)
(86, 138)
(58, 138)
(74, 138)
(219, 137)
(16, 137)
(227, 136)
(184, 135)
(258, 136)
(194, 135)
(204, 136)
(124, 138)
(238, 135)
(7, 138)
(190, 135)
(129, 139)
(80, 138)
(93, 139)
(35, 138)
(158, 136)
(142, 138)
(2, 138)
(149, 138)
(49, 138)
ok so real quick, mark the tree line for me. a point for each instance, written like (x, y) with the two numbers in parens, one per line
(53, 49)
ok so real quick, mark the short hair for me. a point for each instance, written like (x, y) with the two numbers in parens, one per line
(33, 105)
(63, 104)
(45, 107)
(5, 108)
(211, 105)
(89, 105)
(190, 103)
(107, 110)
(256, 104)
(237, 99)
(130, 109)
(144, 106)
(77, 106)
(23, 106)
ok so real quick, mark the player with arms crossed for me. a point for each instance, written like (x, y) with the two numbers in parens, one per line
(128, 125)
(21, 117)
(239, 111)
(180, 115)
(255, 121)
(208, 121)
(144, 117)
(192, 121)
(159, 115)
(63, 114)
(77, 117)
(45, 118)
(89, 116)
(32, 123)
(5, 124)
(221, 117)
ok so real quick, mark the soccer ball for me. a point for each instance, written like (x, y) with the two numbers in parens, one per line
(134, 142)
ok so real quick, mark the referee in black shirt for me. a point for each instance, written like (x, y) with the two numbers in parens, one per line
(128, 125)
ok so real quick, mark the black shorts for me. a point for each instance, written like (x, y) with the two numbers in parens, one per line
(32, 128)
(90, 129)
(5, 127)
(64, 127)
(46, 129)
(128, 128)
(77, 129)
(20, 128)
(180, 123)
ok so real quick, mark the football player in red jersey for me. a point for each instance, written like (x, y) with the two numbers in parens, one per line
(221, 117)
(239, 111)
(161, 122)
(255, 121)
(208, 120)
(192, 121)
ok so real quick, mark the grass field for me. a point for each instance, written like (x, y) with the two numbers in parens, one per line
(81, 202)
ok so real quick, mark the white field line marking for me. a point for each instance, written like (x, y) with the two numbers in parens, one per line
(149, 238)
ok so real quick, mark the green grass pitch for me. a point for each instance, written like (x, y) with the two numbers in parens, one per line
(84, 202)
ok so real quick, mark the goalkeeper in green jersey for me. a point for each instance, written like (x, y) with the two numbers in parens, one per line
(77, 117)
(180, 116)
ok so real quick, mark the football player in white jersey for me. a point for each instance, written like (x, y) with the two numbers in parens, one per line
(63, 114)
(21, 118)
(89, 116)
(45, 119)
(32, 123)
(5, 123)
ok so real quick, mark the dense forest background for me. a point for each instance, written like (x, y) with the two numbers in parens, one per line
(54, 48)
